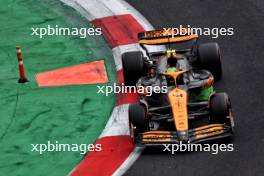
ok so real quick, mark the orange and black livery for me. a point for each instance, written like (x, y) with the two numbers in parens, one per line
(190, 110)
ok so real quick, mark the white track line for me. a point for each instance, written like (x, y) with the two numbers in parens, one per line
(94, 9)
(129, 161)
(117, 123)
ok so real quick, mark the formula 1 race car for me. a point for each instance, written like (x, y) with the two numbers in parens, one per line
(190, 110)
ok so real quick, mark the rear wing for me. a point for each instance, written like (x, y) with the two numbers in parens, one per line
(165, 36)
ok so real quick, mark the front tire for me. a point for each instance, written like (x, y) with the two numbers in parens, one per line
(220, 108)
(138, 122)
(137, 115)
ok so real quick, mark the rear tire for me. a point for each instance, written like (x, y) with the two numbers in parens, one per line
(209, 58)
(133, 67)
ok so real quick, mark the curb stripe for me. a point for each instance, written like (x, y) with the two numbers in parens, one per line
(134, 155)
(115, 149)
(117, 126)
(120, 77)
(119, 29)
(89, 9)
(117, 123)
(129, 98)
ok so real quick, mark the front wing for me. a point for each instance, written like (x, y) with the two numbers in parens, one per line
(196, 135)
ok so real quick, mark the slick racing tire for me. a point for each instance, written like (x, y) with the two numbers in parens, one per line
(137, 115)
(209, 58)
(133, 67)
(137, 120)
(220, 108)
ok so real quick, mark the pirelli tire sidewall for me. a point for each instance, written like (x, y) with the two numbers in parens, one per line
(138, 121)
(209, 58)
(133, 67)
(220, 108)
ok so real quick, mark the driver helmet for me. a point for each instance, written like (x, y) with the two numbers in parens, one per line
(172, 60)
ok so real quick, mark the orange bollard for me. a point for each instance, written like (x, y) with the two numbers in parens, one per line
(22, 75)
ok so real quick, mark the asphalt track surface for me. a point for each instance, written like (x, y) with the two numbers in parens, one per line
(243, 61)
